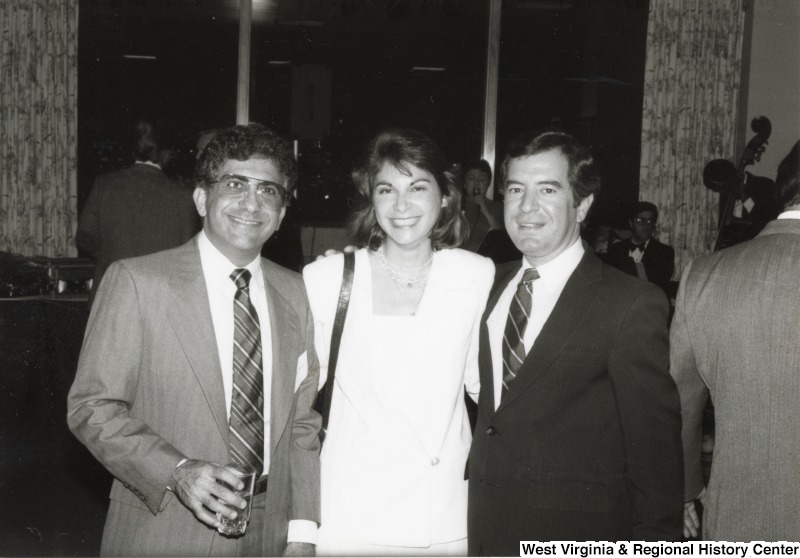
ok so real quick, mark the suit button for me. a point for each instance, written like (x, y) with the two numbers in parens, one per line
(491, 431)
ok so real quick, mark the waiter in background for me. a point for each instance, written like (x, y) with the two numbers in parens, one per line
(642, 255)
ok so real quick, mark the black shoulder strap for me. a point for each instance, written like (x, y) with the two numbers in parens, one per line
(336, 336)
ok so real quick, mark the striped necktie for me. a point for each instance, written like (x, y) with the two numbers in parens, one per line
(247, 401)
(518, 316)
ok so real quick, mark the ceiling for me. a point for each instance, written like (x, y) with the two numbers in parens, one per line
(576, 61)
(308, 30)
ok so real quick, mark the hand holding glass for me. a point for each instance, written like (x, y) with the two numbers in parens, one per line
(237, 526)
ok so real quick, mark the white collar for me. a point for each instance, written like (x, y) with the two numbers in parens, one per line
(793, 214)
(562, 265)
(218, 268)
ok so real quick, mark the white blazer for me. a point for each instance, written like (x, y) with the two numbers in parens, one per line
(398, 438)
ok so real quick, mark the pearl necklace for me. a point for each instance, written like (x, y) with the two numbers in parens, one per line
(411, 277)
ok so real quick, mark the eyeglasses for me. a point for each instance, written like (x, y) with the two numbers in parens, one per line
(643, 220)
(268, 194)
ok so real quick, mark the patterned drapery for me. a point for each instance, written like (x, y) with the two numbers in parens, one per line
(38, 126)
(689, 117)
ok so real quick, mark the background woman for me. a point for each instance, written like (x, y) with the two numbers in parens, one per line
(483, 214)
(487, 232)
(394, 457)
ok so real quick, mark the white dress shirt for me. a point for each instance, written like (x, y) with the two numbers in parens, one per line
(789, 215)
(221, 289)
(553, 277)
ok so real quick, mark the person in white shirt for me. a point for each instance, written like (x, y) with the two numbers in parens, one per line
(200, 356)
(396, 447)
(578, 430)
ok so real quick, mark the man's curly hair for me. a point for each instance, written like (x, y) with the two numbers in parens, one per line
(249, 141)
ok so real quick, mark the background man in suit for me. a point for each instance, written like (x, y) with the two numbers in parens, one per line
(735, 332)
(578, 432)
(642, 255)
(158, 397)
(137, 210)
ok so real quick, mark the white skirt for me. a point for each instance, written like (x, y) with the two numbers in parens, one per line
(328, 546)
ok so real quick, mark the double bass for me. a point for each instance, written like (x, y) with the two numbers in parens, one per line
(721, 176)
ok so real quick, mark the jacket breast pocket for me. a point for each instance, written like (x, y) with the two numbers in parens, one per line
(566, 495)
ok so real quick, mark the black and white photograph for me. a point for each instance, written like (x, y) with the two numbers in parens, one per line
(399, 278)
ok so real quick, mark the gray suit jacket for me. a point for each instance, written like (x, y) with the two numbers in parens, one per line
(736, 334)
(148, 392)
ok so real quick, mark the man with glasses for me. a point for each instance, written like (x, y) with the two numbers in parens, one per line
(201, 356)
(642, 255)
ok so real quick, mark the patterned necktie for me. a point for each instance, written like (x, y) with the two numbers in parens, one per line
(518, 316)
(247, 401)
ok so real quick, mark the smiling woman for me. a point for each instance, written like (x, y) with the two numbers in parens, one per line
(400, 159)
(408, 352)
(411, 208)
(407, 203)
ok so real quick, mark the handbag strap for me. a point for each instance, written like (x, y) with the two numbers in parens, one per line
(336, 336)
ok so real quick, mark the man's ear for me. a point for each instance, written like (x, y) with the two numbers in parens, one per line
(199, 196)
(583, 207)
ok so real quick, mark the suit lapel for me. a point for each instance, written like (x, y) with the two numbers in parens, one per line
(573, 304)
(190, 316)
(285, 331)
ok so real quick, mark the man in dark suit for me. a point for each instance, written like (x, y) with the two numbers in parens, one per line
(137, 210)
(642, 255)
(737, 322)
(204, 355)
(578, 430)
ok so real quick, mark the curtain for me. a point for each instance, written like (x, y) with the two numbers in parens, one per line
(690, 113)
(38, 126)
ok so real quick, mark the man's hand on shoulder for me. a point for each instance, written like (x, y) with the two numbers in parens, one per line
(333, 251)
(196, 485)
(300, 549)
